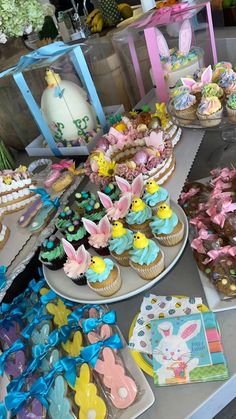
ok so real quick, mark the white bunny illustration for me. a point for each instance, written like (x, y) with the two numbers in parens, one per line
(135, 188)
(173, 352)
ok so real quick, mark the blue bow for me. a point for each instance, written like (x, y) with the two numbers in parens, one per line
(91, 353)
(45, 197)
(15, 315)
(16, 346)
(48, 297)
(17, 383)
(78, 313)
(27, 331)
(39, 351)
(3, 411)
(3, 279)
(36, 286)
(92, 323)
(69, 364)
(16, 400)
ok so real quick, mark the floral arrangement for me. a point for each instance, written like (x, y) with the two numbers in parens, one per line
(18, 17)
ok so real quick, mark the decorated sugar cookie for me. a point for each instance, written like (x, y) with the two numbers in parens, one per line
(59, 404)
(59, 311)
(74, 346)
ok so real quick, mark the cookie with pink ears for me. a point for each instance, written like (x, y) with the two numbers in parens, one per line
(117, 210)
(100, 234)
(77, 263)
(135, 188)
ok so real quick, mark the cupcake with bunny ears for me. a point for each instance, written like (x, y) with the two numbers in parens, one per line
(139, 217)
(146, 258)
(166, 226)
(103, 276)
(99, 235)
(121, 243)
(77, 263)
(155, 194)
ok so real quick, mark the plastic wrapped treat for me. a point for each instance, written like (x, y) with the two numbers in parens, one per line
(222, 270)
(202, 244)
(193, 195)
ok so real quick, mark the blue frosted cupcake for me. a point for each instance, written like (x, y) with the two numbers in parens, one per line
(155, 194)
(121, 243)
(139, 217)
(166, 226)
(103, 276)
(146, 258)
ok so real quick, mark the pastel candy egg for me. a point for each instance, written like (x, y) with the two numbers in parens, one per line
(78, 195)
(63, 214)
(88, 207)
(50, 245)
(66, 209)
(97, 205)
(71, 228)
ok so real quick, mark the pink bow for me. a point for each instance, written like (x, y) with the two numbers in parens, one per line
(226, 174)
(186, 195)
(197, 243)
(64, 164)
(199, 222)
(226, 250)
(219, 184)
(227, 207)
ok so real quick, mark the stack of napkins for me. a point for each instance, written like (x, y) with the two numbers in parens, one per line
(158, 307)
(187, 349)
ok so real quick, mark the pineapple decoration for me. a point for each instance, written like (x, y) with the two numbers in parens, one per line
(110, 12)
(108, 15)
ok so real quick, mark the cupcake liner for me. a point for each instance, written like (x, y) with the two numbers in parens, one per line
(54, 265)
(122, 259)
(210, 120)
(110, 289)
(171, 239)
(231, 114)
(187, 116)
(149, 272)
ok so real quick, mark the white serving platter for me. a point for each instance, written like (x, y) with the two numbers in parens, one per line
(132, 284)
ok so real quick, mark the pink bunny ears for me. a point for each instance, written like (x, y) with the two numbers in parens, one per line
(135, 188)
(118, 209)
(206, 77)
(81, 256)
(185, 40)
(103, 227)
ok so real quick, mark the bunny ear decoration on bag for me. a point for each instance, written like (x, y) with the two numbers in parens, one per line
(162, 44)
(69, 249)
(185, 37)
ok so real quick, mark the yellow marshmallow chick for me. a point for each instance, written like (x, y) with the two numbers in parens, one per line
(118, 230)
(137, 204)
(164, 211)
(97, 264)
(152, 186)
(140, 241)
(52, 79)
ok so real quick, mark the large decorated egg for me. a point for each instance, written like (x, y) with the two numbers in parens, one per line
(66, 109)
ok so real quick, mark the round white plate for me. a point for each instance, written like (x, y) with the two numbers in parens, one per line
(132, 284)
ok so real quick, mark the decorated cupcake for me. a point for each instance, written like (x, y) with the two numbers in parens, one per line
(139, 217)
(76, 234)
(185, 106)
(166, 227)
(231, 108)
(121, 243)
(155, 194)
(226, 78)
(99, 234)
(77, 263)
(103, 276)
(94, 210)
(52, 254)
(112, 191)
(82, 200)
(65, 218)
(209, 111)
(146, 258)
(212, 89)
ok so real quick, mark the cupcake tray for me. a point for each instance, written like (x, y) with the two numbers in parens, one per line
(215, 300)
(22, 245)
(132, 284)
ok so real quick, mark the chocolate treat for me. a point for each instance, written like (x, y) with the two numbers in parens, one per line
(223, 274)
(112, 191)
(65, 218)
(76, 234)
(52, 254)
(82, 199)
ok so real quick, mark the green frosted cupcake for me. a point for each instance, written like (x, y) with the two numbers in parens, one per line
(231, 108)
(65, 218)
(76, 234)
(82, 199)
(52, 254)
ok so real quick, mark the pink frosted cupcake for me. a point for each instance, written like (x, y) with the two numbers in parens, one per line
(100, 234)
(77, 263)
(209, 111)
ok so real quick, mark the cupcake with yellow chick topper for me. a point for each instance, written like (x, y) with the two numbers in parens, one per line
(166, 226)
(139, 217)
(121, 243)
(103, 276)
(146, 258)
(155, 194)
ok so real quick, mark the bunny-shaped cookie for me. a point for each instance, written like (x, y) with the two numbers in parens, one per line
(59, 404)
(173, 353)
(15, 364)
(90, 404)
(99, 233)
(40, 336)
(123, 389)
(118, 209)
(32, 410)
(77, 262)
(135, 188)
(9, 336)
(74, 346)
(49, 361)
(59, 311)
